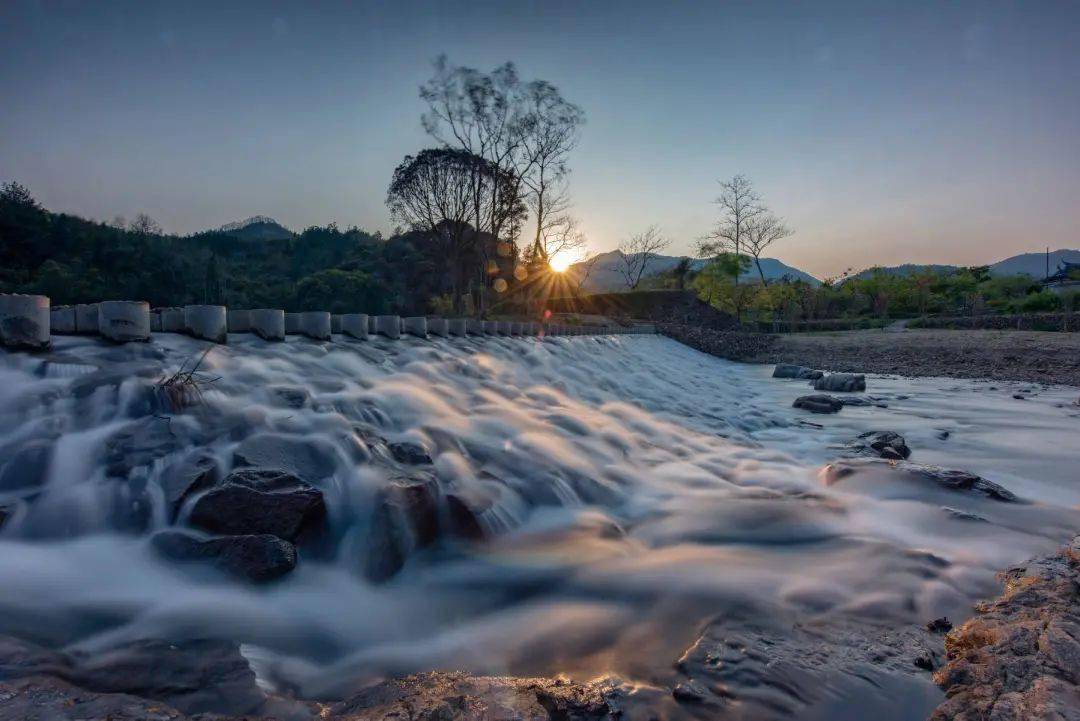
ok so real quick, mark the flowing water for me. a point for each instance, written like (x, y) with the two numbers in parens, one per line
(633, 491)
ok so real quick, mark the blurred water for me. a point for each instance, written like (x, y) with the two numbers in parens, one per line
(637, 488)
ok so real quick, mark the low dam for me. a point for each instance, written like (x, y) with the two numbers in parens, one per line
(505, 499)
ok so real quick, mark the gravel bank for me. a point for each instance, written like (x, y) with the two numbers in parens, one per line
(1029, 356)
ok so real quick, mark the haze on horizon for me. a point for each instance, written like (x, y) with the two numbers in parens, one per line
(884, 133)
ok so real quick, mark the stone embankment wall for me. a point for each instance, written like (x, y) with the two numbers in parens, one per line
(28, 322)
(1061, 322)
(732, 345)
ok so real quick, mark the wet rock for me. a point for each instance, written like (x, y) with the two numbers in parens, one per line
(962, 515)
(26, 466)
(883, 444)
(6, 512)
(45, 698)
(947, 478)
(310, 459)
(256, 558)
(943, 435)
(179, 481)
(406, 517)
(254, 501)
(1018, 658)
(939, 625)
(20, 658)
(841, 382)
(192, 676)
(818, 403)
(291, 396)
(441, 696)
(138, 444)
(409, 452)
(464, 517)
(787, 370)
(864, 402)
(689, 693)
(771, 668)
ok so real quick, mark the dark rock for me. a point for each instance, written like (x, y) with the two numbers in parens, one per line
(310, 459)
(254, 558)
(197, 472)
(23, 333)
(406, 517)
(947, 478)
(787, 370)
(137, 444)
(943, 435)
(939, 625)
(688, 693)
(411, 453)
(884, 444)
(26, 466)
(291, 396)
(200, 676)
(925, 662)
(1019, 397)
(464, 518)
(6, 512)
(254, 501)
(20, 658)
(45, 698)
(818, 403)
(962, 515)
(841, 382)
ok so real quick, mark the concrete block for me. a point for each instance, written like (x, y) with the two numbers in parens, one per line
(416, 326)
(438, 326)
(239, 321)
(356, 325)
(292, 323)
(491, 327)
(206, 322)
(86, 318)
(172, 320)
(457, 326)
(123, 321)
(62, 320)
(315, 324)
(388, 325)
(24, 321)
(335, 322)
(267, 323)
(504, 327)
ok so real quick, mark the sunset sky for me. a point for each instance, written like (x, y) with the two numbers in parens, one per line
(883, 132)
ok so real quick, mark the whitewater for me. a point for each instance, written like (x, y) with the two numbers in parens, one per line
(631, 491)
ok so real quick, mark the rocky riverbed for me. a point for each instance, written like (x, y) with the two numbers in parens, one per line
(501, 528)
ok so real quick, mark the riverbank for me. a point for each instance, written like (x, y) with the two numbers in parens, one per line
(1028, 356)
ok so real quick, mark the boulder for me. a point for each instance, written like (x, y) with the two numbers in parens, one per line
(25, 466)
(189, 475)
(406, 517)
(47, 698)
(24, 321)
(309, 459)
(787, 370)
(409, 452)
(255, 501)
(841, 383)
(883, 444)
(291, 396)
(818, 403)
(257, 558)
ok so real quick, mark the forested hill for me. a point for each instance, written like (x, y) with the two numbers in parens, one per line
(73, 260)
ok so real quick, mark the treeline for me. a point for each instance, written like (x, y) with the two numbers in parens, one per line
(876, 294)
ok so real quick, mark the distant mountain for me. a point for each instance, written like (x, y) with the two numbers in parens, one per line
(606, 275)
(904, 270)
(256, 228)
(1033, 264)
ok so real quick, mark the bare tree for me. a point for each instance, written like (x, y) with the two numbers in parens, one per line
(581, 270)
(763, 230)
(637, 251)
(145, 226)
(739, 206)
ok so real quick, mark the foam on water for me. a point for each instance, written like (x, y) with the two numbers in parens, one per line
(635, 488)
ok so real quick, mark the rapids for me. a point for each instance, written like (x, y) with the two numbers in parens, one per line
(636, 489)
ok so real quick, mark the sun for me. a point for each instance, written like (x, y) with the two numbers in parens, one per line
(560, 262)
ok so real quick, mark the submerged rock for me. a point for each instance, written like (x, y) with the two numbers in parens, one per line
(254, 501)
(310, 459)
(197, 472)
(139, 443)
(409, 452)
(818, 403)
(26, 466)
(291, 396)
(1019, 657)
(884, 444)
(406, 517)
(841, 382)
(255, 558)
(788, 370)
(946, 478)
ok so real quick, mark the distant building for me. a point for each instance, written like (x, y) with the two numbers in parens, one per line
(1065, 278)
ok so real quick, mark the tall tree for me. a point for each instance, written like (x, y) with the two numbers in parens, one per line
(636, 252)
(739, 206)
(763, 230)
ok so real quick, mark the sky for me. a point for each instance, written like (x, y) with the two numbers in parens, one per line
(882, 132)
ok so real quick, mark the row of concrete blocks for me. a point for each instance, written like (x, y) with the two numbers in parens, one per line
(26, 321)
